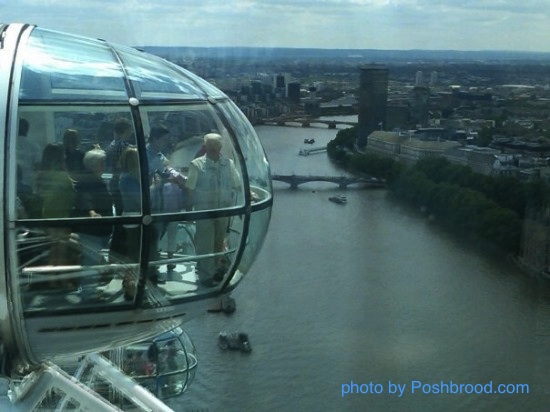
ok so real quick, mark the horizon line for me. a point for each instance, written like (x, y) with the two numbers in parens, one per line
(355, 49)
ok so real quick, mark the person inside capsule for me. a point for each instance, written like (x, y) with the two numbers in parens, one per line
(56, 191)
(89, 254)
(93, 200)
(120, 98)
(213, 182)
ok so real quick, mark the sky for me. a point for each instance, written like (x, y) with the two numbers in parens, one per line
(519, 25)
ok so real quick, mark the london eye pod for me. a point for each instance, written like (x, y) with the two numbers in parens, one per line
(79, 281)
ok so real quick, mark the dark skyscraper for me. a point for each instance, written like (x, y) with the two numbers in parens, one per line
(280, 81)
(293, 91)
(419, 106)
(373, 100)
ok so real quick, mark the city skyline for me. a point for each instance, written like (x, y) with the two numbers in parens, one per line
(333, 24)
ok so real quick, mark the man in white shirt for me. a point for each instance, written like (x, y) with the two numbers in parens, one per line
(213, 182)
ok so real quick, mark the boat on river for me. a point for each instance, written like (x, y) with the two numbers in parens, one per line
(309, 141)
(340, 199)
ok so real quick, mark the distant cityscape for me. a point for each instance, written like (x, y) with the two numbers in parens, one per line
(487, 109)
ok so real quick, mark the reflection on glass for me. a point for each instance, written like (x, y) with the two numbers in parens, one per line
(59, 269)
(53, 186)
(53, 68)
(254, 155)
(200, 257)
(188, 125)
(259, 221)
(152, 80)
(129, 185)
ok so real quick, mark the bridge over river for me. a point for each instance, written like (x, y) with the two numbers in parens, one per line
(303, 121)
(342, 181)
(312, 150)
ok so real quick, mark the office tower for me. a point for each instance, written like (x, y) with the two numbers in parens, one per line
(373, 97)
(419, 78)
(419, 113)
(293, 92)
(279, 81)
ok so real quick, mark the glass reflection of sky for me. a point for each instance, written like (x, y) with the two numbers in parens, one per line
(154, 79)
(57, 66)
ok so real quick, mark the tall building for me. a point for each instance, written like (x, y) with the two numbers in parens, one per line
(419, 111)
(293, 92)
(373, 100)
(279, 81)
(419, 78)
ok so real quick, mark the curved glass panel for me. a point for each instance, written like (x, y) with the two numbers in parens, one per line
(63, 67)
(77, 255)
(54, 145)
(154, 78)
(166, 365)
(194, 257)
(259, 221)
(254, 155)
(187, 125)
(70, 187)
(209, 90)
(195, 154)
(118, 205)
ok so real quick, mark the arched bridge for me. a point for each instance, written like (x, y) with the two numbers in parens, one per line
(342, 181)
(304, 121)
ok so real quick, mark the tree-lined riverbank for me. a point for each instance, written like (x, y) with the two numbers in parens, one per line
(471, 204)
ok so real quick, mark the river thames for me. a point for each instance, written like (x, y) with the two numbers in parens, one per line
(369, 306)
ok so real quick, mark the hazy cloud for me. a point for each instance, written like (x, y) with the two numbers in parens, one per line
(376, 24)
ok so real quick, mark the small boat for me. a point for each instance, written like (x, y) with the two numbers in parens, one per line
(234, 340)
(309, 141)
(340, 199)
